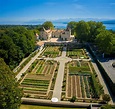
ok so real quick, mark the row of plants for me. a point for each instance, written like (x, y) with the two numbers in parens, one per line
(95, 87)
(82, 87)
(86, 87)
(76, 53)
(52, 51)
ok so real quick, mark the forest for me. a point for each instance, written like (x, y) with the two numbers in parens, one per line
(16, 42)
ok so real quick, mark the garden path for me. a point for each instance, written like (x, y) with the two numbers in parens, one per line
(18, 76)
(59, 80)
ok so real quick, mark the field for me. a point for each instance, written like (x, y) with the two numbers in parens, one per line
(52, 51)
(38, 81)
(80, 81)
(76, 53)
(44, 107)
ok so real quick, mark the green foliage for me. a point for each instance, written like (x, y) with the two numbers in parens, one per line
(95, 29)
(15, 44)
(72, 26)
(106, 107)
(10, 93)
(48, 25)
(82, 30)
(104, 41)
(96, 88)
(106, 98)
(73, 99)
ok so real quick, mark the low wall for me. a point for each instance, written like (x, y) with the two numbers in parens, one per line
(68, 104)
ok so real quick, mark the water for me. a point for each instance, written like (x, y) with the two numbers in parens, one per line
(110, 26)
(62, 25)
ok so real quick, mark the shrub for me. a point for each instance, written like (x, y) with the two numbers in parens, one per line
(106, 98)
(73, 99)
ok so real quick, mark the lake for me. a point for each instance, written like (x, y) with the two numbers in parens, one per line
(63, 25)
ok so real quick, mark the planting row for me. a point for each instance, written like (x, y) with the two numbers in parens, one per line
(52, 51)
(81, 81)
(79, 68)
(44, 67)
(76, 53)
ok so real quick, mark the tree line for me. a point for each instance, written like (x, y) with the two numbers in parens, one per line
(16, 42)
(96, 33)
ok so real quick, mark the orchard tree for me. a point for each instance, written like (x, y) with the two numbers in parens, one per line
(48, 25)
(10, 93)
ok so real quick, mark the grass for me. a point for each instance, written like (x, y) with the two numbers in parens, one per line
(44, 107)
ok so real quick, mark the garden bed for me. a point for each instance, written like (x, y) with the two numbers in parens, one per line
(81, 81)
(52, 51)
(38, 79)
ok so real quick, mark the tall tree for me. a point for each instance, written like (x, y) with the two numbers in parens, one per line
(82, 30)
(10, 93)
(104, 41)
(48, 25)
(95, 29)
(72, 26)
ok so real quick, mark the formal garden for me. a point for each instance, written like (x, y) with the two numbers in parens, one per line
(52, 51)
(76, 52)
(81, 81)
(39, 79)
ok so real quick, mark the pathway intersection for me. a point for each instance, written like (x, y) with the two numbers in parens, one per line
(59, 80)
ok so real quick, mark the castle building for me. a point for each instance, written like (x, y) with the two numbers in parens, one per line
(64, 35)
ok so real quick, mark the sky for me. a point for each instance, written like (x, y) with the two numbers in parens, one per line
(30, 10)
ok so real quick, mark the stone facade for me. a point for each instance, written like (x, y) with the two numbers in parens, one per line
(64, 35)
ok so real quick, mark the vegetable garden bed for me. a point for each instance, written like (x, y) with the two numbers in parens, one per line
(52, 51)
(81, 83)
(76, 53)
(38, 81)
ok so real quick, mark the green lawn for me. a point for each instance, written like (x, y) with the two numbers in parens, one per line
(44, 107)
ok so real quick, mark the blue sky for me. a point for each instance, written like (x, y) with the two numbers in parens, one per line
(28, 10)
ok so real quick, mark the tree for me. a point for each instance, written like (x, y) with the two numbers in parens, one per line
(10, 93)
(82, 31)
(95, 29)
(48, 25)
(72, 26)
(106, 98)
(15, 44)
(104, 41)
